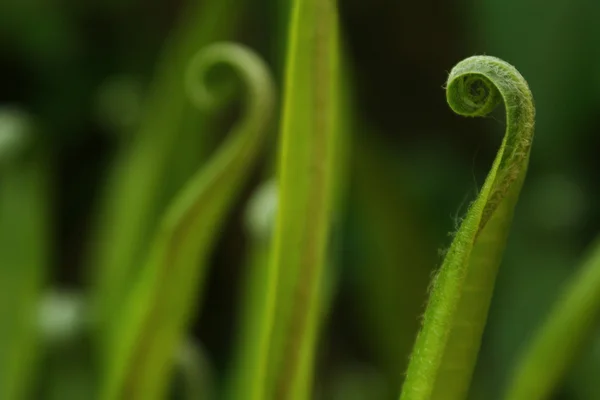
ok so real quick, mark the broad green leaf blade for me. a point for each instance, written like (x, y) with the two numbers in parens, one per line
(306, 176)
(24, 249)
(569, 327)
(446, 349)
(152, 321)
(163, 154)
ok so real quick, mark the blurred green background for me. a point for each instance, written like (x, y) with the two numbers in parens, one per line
(81, 69)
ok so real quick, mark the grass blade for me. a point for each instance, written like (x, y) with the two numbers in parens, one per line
(570, 326)
(446, 349)
(306, 176)
(260, 217)
(151, 324)
(24, 250)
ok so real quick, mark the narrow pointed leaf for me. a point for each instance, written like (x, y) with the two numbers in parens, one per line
(260, 218)
(306, 180)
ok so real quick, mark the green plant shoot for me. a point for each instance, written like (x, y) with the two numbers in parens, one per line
(152, 322)
(446, 348)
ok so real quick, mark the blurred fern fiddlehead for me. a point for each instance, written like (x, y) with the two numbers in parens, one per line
(446, 349)
(151, 324)
(151, 168)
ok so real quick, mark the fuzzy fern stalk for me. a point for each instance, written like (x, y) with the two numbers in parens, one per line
(446, 349)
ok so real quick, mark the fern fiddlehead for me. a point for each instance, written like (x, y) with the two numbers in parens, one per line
(152, 322)
(447, 346)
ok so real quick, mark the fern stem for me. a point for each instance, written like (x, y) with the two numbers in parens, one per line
(446, 349)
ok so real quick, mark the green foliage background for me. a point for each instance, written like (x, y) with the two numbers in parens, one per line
(81, 67)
